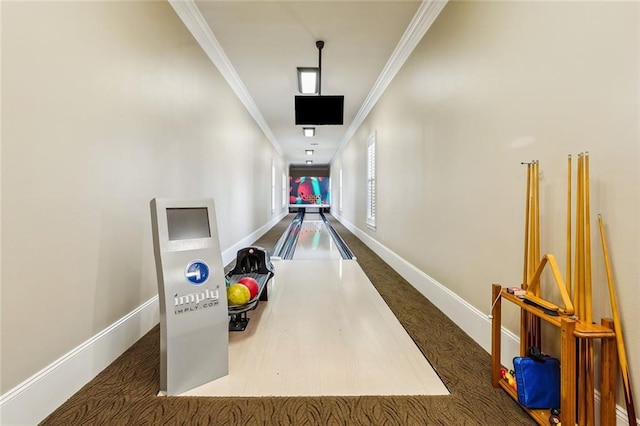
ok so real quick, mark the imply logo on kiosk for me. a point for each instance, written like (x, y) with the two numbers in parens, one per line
(196, 273)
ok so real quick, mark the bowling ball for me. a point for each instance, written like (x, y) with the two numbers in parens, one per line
(251, 284)
(238, 294)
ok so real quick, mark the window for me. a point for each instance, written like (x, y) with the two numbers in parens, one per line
(340, 190)
(371, 181)
(285, 193)
(273, 186)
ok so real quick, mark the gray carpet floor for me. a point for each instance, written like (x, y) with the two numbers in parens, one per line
(125, 392)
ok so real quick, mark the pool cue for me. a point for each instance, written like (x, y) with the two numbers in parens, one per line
(589, 366)
(537, 338)
(622, 355)
(579, 288)
(587, 244)
(578, 276)
(576, 256)
(532, 244)
(534, 249)
(532, 221)
(580, 226)
(583, 383)
(525, 263)
(524, 315)
(536, 224)
(568, 254)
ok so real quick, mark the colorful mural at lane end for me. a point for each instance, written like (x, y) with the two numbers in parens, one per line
(309, 190)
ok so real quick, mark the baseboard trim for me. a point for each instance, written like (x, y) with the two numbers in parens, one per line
(34, 399)
(472, 321)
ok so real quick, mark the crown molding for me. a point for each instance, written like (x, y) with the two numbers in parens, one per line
(190, 15)
(417, 28)
(426, 14)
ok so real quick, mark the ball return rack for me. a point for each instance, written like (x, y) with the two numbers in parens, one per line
(251, 262)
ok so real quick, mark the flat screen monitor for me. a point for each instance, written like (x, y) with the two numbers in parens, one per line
(319, 110)
(188, 223)
(309, 190)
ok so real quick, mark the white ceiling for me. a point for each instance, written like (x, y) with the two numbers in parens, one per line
(257, 46)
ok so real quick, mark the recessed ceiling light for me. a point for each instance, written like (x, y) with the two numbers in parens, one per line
(309, 162)
(308, 80)
(309, 131)
(309, 152)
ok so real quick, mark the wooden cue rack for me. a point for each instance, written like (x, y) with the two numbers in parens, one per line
(570, 331)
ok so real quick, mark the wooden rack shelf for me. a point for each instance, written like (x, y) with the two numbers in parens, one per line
(582, 329)
(571, 330)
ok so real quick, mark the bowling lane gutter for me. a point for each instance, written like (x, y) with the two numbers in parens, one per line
(344, 250)
(286, 245)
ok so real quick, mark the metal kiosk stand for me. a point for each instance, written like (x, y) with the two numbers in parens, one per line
(194, 337)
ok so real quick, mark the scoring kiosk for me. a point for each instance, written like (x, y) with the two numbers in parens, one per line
(194, 339)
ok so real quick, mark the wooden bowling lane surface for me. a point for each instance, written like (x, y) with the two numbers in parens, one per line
(324, 331)
(314, 241)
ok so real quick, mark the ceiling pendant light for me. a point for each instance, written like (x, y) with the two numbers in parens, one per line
(309, 77)
(308, 80)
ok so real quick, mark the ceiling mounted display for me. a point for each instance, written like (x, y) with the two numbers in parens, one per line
(317, 109)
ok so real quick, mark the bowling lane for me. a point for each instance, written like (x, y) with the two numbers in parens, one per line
(324, 331)
(314, 240)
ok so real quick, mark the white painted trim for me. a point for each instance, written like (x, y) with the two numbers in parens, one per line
(190, 15)
(475, 323)
(34, 399)
(37, 397)
(420, 23)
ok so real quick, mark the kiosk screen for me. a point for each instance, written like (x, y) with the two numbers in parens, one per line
(188, 223)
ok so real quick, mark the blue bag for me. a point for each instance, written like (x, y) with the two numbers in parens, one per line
(538, 381)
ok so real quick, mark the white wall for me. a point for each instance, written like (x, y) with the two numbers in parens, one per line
(491, 85)
(106, 105)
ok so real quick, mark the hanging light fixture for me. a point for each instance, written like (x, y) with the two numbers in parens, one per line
(309, 77)
(313, 108)
(308, 80)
